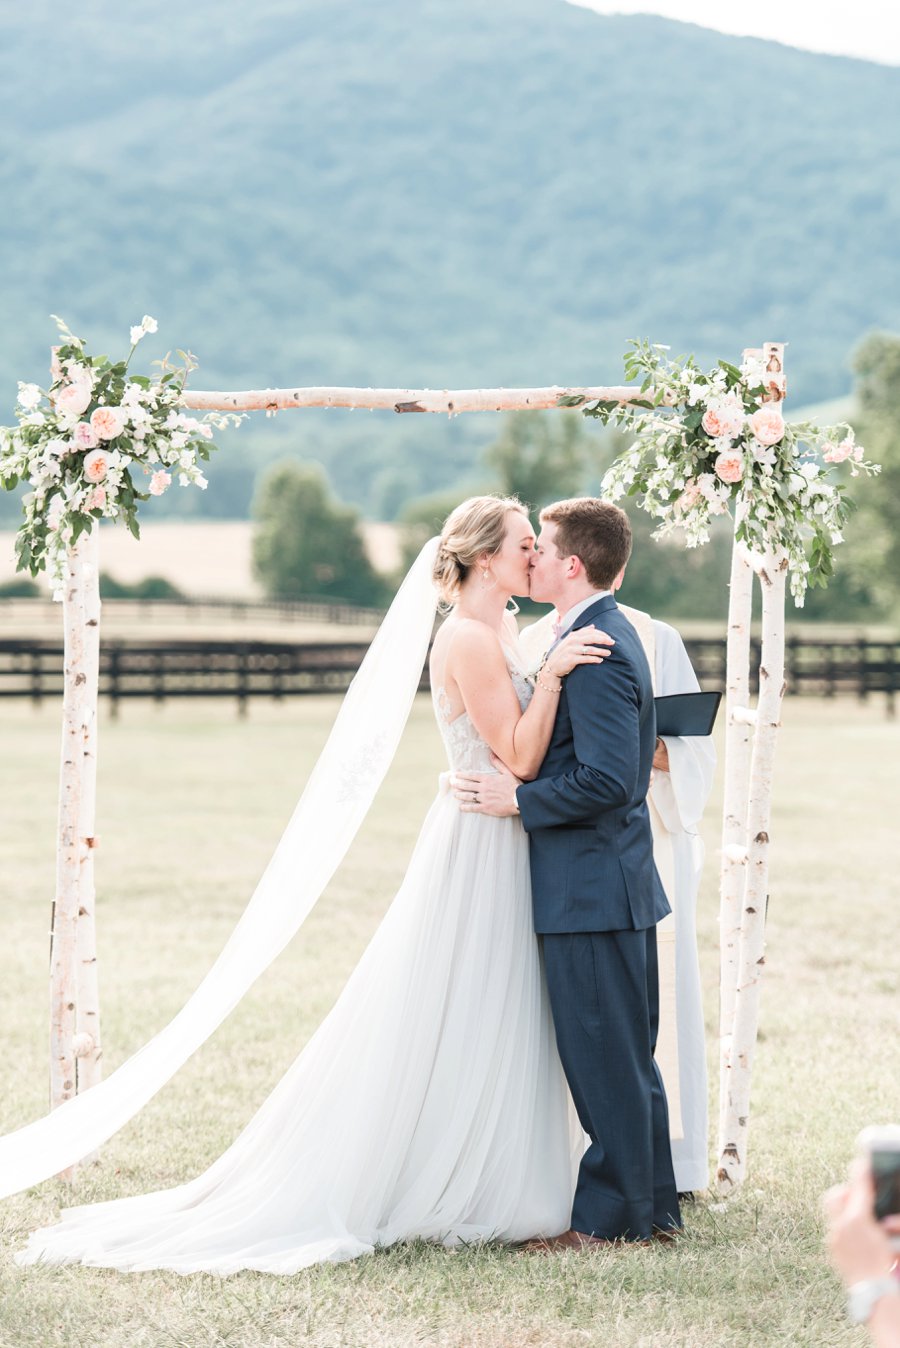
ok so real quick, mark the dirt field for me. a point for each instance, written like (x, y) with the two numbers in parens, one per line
(209, 557)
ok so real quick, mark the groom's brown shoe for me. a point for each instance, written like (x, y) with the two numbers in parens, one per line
(575, 1240)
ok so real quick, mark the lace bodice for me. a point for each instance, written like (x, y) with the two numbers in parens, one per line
(466, 750)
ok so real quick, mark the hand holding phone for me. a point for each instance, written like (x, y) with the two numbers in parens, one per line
(882, 1147)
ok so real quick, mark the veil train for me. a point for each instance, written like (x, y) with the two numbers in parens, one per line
(331, 809)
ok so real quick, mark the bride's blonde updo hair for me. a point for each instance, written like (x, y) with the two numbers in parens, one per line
(475, 527)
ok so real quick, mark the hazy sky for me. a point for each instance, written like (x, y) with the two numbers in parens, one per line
(866, 28)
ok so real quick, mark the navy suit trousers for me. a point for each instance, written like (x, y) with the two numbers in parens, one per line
(604, 992)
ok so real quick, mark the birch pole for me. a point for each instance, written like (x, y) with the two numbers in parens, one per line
(772, 571)
(63, 940)
(738, 721)
(745, 824)
(87, 993)
(448, 401)
(74, 996)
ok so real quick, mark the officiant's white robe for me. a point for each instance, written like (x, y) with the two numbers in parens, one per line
(676, 799)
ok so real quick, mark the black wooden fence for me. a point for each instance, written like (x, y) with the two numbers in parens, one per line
(33, 667)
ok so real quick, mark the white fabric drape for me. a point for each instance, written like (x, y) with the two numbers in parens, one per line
(328, 815)
(679, 798)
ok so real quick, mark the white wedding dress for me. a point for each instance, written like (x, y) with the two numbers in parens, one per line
(430, 1102)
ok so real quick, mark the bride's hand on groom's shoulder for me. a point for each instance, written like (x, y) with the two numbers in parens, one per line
(586, 646)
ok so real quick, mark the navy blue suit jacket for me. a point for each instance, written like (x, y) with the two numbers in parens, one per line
(586, 813)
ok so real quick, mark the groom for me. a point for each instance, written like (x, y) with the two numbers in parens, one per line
(597, 895)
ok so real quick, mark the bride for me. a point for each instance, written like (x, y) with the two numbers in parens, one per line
(431, 1102)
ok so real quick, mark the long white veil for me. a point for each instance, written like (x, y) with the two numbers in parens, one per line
(331, 809)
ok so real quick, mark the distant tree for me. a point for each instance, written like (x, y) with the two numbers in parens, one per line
(874, 534)
(20, 588)
(539, 456)
(866, 583)
(307, 543)
(423, 517)
(151, 587)
(672, 582)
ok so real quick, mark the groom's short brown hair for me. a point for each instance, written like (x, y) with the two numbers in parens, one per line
(595, 531)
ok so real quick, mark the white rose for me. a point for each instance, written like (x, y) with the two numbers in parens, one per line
(29, 396)
(73, 399)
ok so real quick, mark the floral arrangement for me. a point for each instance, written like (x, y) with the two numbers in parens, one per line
(708, 439)
(81, 443)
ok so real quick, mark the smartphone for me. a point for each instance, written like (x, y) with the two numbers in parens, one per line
(883, 1148)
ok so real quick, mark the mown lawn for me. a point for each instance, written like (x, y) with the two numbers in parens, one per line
(191, 803)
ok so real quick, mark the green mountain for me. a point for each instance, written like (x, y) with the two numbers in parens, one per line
(432, 192)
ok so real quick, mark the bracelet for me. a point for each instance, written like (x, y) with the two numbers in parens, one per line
(863, 1297)
(546, 687)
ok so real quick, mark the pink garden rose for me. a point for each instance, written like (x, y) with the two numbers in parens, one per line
(838, 453)
(690, 496)
(713, 423)
(729, 466)
(767, 424)
(85, 436)
(95, 465)
(158, 482)
(74, 398)
(724, 417)
(97, 499)
(108, 422)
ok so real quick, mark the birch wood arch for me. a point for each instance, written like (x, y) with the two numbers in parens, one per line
(75, 1042)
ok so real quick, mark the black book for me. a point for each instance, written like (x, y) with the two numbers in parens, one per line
(686, 713)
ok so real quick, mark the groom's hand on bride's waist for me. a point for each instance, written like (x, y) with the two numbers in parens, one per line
(487, 792)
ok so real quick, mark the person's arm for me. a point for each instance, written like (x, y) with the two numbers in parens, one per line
(476, 662)
(604, 707)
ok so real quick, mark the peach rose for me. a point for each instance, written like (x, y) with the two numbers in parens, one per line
(158, 483)
(712, 423)
(97, 499)
(108, 422)
(690, 496)
(95, 465)
(84, 436)
(767, 424)
(74, 398)
(729, 466)
(838, 453)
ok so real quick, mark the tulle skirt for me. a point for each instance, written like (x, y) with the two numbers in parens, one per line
(430, 1102)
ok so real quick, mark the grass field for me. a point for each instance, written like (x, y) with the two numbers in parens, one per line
(191, 803)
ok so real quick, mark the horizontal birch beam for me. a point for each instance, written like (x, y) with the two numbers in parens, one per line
(405, 399)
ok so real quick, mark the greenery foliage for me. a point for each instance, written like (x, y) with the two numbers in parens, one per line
(706, 442)
(306, 543)
(79, 444)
